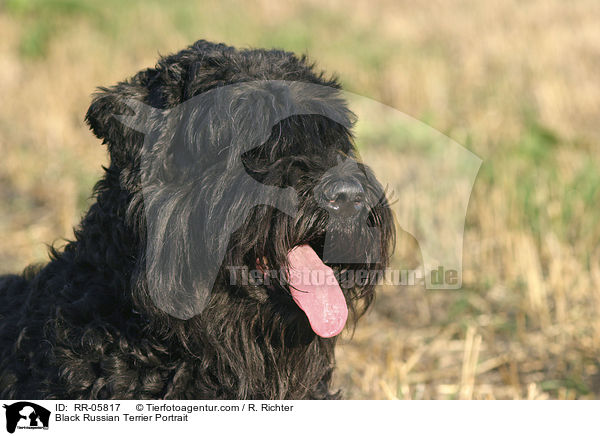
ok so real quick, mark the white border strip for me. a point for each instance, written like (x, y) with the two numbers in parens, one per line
(314, 418)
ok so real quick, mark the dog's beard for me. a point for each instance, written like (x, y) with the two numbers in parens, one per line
(317, 252)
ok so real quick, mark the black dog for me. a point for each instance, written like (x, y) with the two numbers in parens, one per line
(225, 167)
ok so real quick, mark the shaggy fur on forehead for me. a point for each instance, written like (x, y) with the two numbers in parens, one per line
(97, 321)
(177, 78)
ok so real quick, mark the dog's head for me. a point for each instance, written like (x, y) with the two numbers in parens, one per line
(244, 181)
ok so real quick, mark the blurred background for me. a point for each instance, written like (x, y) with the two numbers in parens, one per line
(516, 82)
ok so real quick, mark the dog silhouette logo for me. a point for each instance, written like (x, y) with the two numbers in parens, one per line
(26, 415)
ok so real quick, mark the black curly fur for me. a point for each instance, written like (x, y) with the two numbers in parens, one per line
(84, 326)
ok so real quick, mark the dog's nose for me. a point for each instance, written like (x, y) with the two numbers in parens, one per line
(344, 197)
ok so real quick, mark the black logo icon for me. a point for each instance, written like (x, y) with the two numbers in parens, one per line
(26, 415)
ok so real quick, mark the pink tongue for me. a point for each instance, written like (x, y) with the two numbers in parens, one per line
(317, 292)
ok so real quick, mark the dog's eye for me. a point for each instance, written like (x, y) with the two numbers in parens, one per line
(255, 165)
(261, 169)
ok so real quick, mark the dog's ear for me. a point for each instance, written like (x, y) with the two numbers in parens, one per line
(123, 140)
